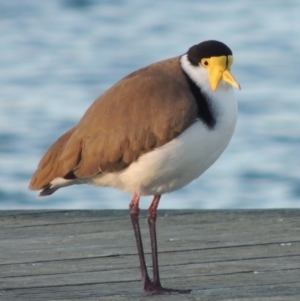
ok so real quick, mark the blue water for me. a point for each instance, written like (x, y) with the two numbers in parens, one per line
(58, 56)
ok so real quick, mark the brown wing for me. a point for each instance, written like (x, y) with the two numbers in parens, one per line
(143, 111)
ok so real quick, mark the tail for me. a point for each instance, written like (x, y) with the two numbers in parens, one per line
(48, 190)
(55, 185)
(51, 172)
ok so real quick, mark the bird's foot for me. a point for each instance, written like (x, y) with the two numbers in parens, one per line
(156, 289)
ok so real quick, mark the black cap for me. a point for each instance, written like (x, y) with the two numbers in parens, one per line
(207, 49)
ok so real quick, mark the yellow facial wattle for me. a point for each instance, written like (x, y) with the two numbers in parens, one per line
(219, 68)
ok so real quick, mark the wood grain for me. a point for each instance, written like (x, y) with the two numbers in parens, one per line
(91, 255)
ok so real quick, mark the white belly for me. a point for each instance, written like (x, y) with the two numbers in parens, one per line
(178, 162)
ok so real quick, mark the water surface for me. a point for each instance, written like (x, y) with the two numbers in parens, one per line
(58, 56)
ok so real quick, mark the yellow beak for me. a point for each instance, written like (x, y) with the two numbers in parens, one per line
(217, 70)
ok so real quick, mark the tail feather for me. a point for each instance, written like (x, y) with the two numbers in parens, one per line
(48, 190)
(55, 185)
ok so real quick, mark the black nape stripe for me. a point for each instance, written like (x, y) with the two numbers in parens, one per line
(205, 112)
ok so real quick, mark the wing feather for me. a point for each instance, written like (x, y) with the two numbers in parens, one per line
(143, 111)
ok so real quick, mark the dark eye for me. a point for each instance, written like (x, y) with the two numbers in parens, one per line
(205, 63)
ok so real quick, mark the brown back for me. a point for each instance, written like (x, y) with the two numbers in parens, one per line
(143, 111)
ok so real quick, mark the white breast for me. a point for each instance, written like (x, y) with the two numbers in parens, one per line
(182, 160)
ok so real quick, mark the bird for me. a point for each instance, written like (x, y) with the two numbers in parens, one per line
(153, 132)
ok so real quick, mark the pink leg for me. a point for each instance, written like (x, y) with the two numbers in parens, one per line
(155, 286)
(150, 287)
(134, 214)
(152, 216)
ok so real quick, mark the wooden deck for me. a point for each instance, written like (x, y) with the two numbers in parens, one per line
(91, 255)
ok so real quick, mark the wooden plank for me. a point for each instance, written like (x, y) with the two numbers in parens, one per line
(91, 255)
